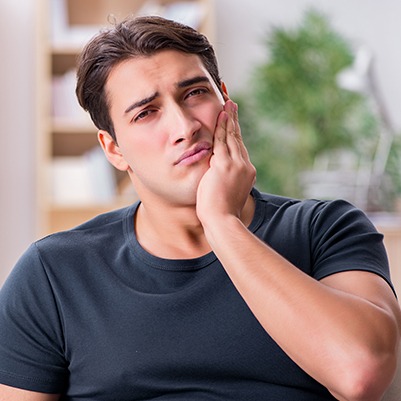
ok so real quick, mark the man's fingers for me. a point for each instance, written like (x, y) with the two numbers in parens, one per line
(220, 136)
(228, 139)
(234, 138)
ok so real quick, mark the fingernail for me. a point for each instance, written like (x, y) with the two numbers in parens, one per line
(234, 107)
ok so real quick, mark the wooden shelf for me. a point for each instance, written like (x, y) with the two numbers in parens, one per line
(65, 217)
(66, 134)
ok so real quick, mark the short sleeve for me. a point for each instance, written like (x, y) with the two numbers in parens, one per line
(31, 335)
(343, 239)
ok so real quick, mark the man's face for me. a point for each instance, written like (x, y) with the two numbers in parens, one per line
(164, 110)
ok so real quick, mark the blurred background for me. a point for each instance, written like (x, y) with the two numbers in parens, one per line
(316, 81)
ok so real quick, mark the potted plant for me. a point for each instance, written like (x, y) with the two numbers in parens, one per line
(295, 112)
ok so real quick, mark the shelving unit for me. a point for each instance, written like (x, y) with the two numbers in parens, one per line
(66, 191)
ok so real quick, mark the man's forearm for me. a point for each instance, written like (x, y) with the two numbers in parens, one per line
(345, 338)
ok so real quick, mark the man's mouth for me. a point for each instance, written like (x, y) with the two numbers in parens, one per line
(193, 155)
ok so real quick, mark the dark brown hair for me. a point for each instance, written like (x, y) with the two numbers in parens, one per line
(133, 37)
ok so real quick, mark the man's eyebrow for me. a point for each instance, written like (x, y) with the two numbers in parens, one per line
(182, 84)
(191, 81)
(141, 102)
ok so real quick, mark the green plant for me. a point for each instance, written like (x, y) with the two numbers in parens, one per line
(394, 166)
(297, 109)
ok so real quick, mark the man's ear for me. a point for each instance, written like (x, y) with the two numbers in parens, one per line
(112, 150)
(225, 91)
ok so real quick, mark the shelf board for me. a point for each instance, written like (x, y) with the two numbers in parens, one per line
(63, 217)
(92, 207)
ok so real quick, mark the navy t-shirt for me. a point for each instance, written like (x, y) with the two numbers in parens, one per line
(90, 314)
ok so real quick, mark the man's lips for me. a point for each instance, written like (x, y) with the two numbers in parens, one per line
(198, 152)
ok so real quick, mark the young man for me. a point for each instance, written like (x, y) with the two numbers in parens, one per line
(206, 289)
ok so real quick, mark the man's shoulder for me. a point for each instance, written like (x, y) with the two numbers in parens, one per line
(105, 219)
(274, 199)
(307, 210)
(285, 202)
(282, 200)
(96, 229)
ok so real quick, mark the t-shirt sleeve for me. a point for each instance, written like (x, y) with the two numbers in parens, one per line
(31, 335)
(343, 239)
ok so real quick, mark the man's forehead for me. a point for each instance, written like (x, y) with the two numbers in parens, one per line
(170, 66)
(138, 79)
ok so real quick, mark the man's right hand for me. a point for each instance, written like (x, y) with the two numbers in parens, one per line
(225, 187)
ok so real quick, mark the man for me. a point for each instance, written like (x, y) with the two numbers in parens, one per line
(206, 289)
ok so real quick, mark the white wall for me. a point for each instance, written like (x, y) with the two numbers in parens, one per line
(17, 130)
(241, 25)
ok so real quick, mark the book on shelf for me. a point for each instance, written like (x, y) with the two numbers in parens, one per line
(66, 34)
(83, 180)
(65, 105)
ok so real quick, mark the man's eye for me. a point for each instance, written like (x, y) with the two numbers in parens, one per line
(198, 91)
(142, 115)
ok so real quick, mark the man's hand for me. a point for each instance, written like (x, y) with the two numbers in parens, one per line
(225, 187)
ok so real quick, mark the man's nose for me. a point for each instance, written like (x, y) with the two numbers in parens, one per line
(182, 125)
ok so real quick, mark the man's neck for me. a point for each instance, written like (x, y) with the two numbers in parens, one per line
(176, 233)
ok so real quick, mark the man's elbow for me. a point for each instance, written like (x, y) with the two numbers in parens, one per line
(368, 379)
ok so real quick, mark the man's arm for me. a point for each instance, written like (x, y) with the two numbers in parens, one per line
(8, 393)
(350, 322)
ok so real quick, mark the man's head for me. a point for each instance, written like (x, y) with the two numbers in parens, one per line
(133, 37)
